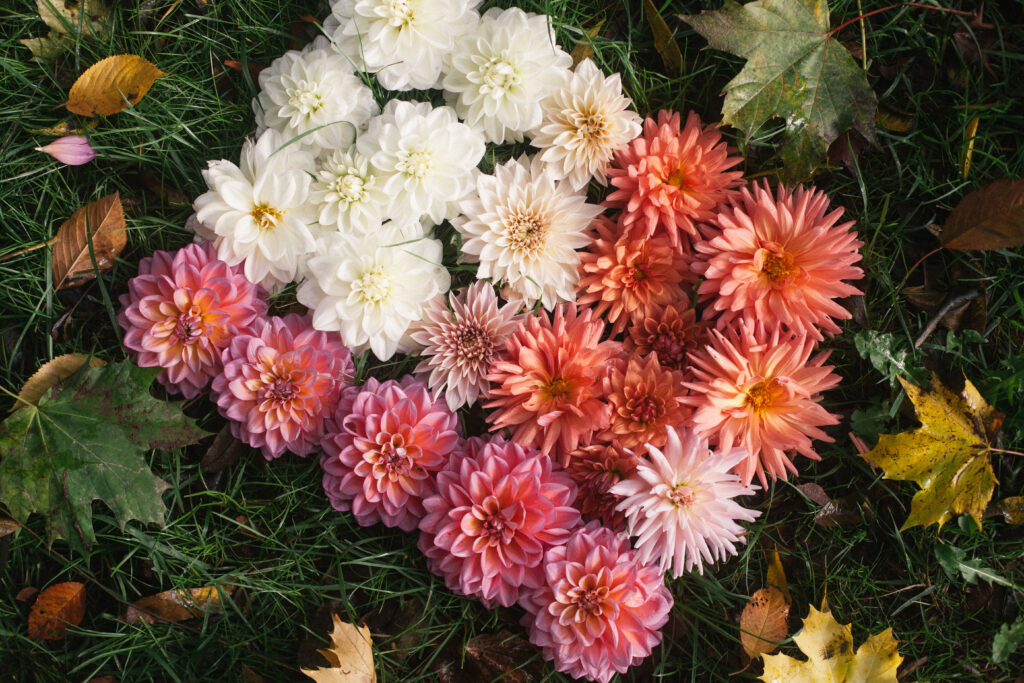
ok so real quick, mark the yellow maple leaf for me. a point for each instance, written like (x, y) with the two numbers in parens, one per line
(831, 657)
(350, 656)
(947, 456)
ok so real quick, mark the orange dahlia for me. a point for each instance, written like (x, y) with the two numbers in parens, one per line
(669, 331)
(645, 399)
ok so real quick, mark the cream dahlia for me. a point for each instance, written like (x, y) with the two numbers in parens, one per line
(382, 461)
(645, 398)
(494, 515)
(679, 504)
(669, 331)
(780, 258)
(598, 612)
(586, 120)
(524, 228)
(760, 390)
(460, 344)
(347, 194)
(595, 469)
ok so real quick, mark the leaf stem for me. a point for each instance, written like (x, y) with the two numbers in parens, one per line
(1003, 450)
(919, 5)
(13, 254)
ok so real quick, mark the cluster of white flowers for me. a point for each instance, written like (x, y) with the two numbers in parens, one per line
(343, 196)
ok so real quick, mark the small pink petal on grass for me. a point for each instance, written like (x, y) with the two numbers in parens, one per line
(73, 150)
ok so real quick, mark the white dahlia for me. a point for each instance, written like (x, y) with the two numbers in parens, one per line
(524, 228)
(348, 194)
(586, 119)
(313, 93)
(499, 74)
(404, 42)
(258, 211)
(371, 289)
(425, 157)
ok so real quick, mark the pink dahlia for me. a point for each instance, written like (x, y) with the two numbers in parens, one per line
(781, 259)
(595, 469)
(462, 343)
(493, 516)
(598, 611)
(281, 382)
(670, 178)
(669, 331)
(547, 386)
(761, 390)
(645, 398)
(382, 461)
(625, 278)
(182, 309)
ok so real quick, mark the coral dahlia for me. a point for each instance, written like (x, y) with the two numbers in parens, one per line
(595, 469)
(645, 398)
(669, 331)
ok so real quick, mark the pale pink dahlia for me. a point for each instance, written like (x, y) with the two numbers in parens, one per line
(679, 504)
(461, 343)
(645, 398)
(494, 514)
(598, 612)
(670, 331)
(182, 309)
(280, 383)
(547, 385)
(382, 461)
(595, 469)
(781, 259)
(670, 179)
(761, 390)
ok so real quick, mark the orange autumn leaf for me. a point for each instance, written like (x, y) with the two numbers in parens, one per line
(111, 84)
(103, 222)
(58, 607)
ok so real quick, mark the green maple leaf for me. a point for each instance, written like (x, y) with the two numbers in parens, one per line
(795, 71)
(84, 441)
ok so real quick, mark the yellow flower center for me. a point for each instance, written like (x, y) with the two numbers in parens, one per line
(266, 217)
(677, 178)
(415, 164)
(777, 267)
(763, 395)
(374, 285)
(682, 496)
(557, 389)
(526, 233)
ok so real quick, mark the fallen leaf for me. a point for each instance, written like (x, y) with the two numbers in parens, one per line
(111, 84)
(27, 594)
(177, 605)
(250, 676)
(764, 622)
(167, 193)
(955, 563)
(664, 42)
(503, 656)
(776, 576)
(897, 122)
(840, 511)
(58, 369)
(44, 49)
(8, 526)
(970, 133)
(585, 47)
(104, 679)
(815, 493)
(253, 69)
(795, 71)
(63, 128)
(350, 656)
(58, 607)
(948, 456)
(103, 221)
(222, 453)
(1012, 509)
(67, 16)
(991, 217)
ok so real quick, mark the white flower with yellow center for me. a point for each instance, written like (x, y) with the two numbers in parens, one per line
(403, 41)
(524, 228)
(348, 195)
(586, 119)
(371, 288)
(258, 211)
(499, 74)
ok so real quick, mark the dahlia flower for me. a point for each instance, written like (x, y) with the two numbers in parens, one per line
(371, 289)
(347, 194)
(425, 156)
(586, 120)
(779, 258)
(315, 94)
(524, 228)
(760, 390)
(625, 278)
(182, 309)
(645, 398)
(279, 382)
(598, 612)
(258, 211)
(381, 462)
(501, 71)
(494, 515)
(547, 386)
(671, 178)
(679, 504)
(595, 469)
(670, 331)
(462, 343)
(404, 42)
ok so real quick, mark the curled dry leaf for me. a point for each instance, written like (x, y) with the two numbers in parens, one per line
(103, 219)
(585, 47)
(1012, 509)
(764, 622)
(111, 84)
(776, 576)
(350, 656)
(664, 43)
(222, 453)
(58, 607)
(60, 368)
(504, 656)
(991, 217)
(8, 526)
(177, 605)
(27, 594)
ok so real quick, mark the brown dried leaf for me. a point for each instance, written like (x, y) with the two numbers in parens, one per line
(1012, 509)
(177, 605)
(839, 511)
(815, 493)
(991, 217)
(167, 193)
(350, 656)
(58, 607)
(764, 622)
(502, 656)
(8, 526)
(58, 369)
(222, 453)
(104, 679)
(664, 43)
(585, 47)
(777, 576)
(111, 84)
(104, 220)
(897, 122)
(27, 594)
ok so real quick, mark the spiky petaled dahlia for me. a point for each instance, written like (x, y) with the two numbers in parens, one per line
(280, 382)
(381, 462)
(495, 513)
(598, 612)
(547, 386)
(645, 398)
(679, 504)
(779, 258)
(182, 309)
(595, 469)
(669, 179)
(586, 120)
(524, 228)
(670, 331)
(760, 390)
(460, 344)
(626, 279)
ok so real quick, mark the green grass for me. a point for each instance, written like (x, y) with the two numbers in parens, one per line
(267, 532)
